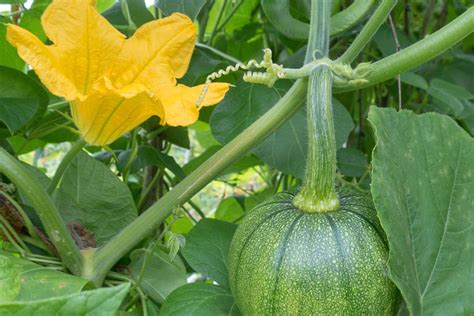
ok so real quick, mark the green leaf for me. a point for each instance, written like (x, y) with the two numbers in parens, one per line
(161, 275)
(189, 7)
(240, 18)
(178, 136)
(199, 299)
(415, 80)
(31, 19)
(103, 5)
(207, 246)
(100, 302)
(447, 103)
(22, 100)
(21, 145)
(92, 195)
(22, 281)
(8, 54)
(453, 89)
(203, 63)
(229, 210)
(351, 162)
(149, 156)
(386, 43)
(422, 186)
(203, 134)
(286, 148)
(139, 12)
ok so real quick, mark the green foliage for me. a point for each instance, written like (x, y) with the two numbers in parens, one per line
(158, 275)
(104, 301)
(351, 162)
(8, 54)
(24, 281)
(200, 299)
(91, 195)
(423, 196)
(191, 7)
(207, 246)
(22, 100)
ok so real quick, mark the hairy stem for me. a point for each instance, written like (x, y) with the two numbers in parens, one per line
(318, 191)
(45, 209)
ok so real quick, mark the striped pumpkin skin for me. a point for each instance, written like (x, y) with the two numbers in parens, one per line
(283, 261)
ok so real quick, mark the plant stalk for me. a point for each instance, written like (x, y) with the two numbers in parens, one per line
(318, 192)
(45, 209)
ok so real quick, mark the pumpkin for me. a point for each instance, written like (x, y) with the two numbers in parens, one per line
(284, 261)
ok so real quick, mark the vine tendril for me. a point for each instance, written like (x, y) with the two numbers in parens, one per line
(343, 74)
(272, 74)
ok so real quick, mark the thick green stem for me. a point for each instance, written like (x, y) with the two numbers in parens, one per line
(71, 154)
(318, 192)
(420, 52)
(107, 256)
(45, 209)
(369, 30)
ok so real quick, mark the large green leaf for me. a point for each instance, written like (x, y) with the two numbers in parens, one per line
(93, 196)
(100, 302)
(161, 275)
(285, 149)
(23, 281)
(199, 299)
(189, 7)
(22, 99)
(422, 186)
(207, 246)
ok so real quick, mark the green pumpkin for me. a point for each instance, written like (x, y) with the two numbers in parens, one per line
(283, 261)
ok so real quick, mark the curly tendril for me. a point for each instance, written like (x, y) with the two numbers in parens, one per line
(272, 74)
(343, 74)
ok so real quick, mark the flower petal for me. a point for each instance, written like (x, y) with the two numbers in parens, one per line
(44, 61)
(170, 40)
(85, 45)
(102, 118)
(180, 106)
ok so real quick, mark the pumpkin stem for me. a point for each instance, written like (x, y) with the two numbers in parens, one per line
(318, 192)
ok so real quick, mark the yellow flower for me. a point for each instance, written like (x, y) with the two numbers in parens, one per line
(114, 83)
